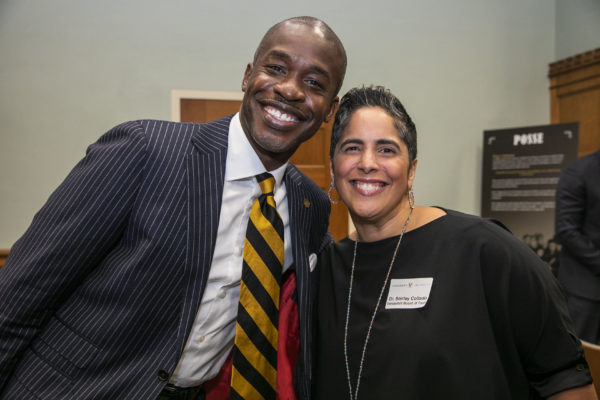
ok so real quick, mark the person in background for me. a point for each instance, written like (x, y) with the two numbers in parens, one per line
(131, 279)
(577, 228)
(551, 253)
(425, 302)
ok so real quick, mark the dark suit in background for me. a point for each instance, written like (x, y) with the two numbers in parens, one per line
(578, 230)
(98, 297)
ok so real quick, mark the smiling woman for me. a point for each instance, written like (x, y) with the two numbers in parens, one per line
(428, 303)
(372, 170)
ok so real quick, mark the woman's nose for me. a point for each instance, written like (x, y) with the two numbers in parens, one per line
(367, 162)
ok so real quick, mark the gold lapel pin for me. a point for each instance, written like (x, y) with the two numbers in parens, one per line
(306, 203)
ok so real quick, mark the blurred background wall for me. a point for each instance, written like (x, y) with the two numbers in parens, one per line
(71, 69)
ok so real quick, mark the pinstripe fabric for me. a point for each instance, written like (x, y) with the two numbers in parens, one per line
(308, 228)
(98, 296)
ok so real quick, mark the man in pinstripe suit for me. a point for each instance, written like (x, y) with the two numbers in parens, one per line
(126, 284)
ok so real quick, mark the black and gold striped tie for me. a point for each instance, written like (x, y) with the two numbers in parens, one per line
(254, 372)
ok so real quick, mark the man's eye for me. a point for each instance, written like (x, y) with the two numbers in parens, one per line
(275, 68)
(314, 83)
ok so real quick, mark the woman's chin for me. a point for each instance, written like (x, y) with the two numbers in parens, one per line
(374, 215)
(364, 216)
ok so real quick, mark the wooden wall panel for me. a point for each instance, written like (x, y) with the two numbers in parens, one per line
(312, 158)
(198, 110)
(3, 255)
(575, 96)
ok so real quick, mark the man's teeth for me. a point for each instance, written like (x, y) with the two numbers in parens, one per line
(281, 116)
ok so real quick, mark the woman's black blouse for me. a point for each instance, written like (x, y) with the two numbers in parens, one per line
(494, 325)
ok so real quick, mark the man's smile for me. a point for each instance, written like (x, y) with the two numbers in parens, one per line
(280, 116)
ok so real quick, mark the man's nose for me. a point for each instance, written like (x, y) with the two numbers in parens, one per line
(290, 88)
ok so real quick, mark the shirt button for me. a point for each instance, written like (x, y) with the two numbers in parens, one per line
(163, 375)
(238, 251)
(201, 338)
(222, 294)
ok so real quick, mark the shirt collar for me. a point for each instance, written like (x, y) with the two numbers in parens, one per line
(242, 161)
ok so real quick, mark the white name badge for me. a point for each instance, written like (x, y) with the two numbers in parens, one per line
(408, 293)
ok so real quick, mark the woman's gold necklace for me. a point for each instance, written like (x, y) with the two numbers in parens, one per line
(354, 396)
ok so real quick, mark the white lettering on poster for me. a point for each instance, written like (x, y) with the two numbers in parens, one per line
(528, 138)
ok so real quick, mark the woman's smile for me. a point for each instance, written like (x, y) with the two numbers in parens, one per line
(368, 187)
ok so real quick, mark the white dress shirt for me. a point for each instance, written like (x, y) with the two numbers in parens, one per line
(213, 332)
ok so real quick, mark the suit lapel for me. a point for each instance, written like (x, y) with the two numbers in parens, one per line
(299, 203)
(299, 218)
(205, 179)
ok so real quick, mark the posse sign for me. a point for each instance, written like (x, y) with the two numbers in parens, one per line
(521, 167)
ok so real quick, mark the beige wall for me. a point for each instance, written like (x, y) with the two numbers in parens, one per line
(70, 69)
(577, 27)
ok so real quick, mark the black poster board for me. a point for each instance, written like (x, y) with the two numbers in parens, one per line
(521, 167)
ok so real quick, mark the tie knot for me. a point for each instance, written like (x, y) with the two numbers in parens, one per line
(266, 182)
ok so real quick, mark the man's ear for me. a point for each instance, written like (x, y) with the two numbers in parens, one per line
(246, 76)
(332, 109)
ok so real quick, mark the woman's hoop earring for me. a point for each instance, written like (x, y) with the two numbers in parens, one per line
(411, 199)
(331, 187)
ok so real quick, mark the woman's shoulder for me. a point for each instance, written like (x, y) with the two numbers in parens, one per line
(490, 237)
(423, 215)
(469, 229)
(342, 245)
(465, 220)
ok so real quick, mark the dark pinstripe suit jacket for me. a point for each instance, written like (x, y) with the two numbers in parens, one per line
(99, 295)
